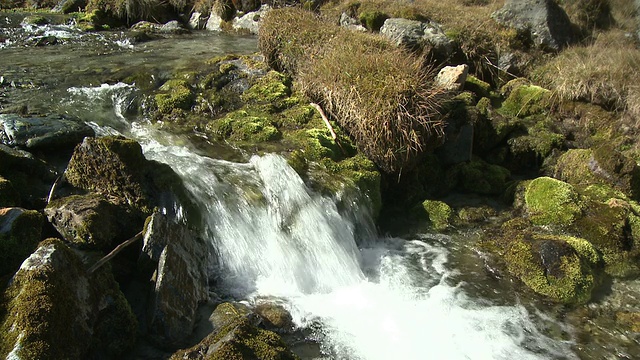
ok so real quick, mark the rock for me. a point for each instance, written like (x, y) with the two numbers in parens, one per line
(70, 6)
(30, 177)
(250, 22)
(459, 131)
(543, 20)
(171, 27)
(439, 213)
(35, 20)
(198, 21)
(52, 131)
(480, 177)
(20, 232)
(452, 78)
(549, 201)
(275, 317)
(237, 338)
(214, 23)
(179, 261)
(605, 165)
(559, 267)
(414, 35)
(246, 6)
(351, 23)
(8, 195)
(92, 222)
(524, 99)
(51, 295)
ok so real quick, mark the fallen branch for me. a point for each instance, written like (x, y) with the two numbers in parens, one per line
(114, 252)
(328, 124)
(53, 187)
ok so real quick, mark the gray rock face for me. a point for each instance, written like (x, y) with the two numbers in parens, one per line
(39, 132)
(415, 34)
(198, 21)
(250, 21)
(214, 23)
(180, 281)
(452, 78)
(20, 232)
(351, 23)
(545, 21)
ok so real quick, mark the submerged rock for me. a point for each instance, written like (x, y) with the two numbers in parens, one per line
(235, 337)
(52, 296)
(52, 131)
(544, 21)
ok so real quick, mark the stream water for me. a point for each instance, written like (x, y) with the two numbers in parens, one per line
(359, 295)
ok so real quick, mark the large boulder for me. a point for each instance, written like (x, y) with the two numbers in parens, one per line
(55, 310)
(20, 232)
(543, 20)
(236, 337)
(250, 22)
(91, 221)
(52, 131)
(31, 178)
(175, 261)
(549, 201)
(8, 194)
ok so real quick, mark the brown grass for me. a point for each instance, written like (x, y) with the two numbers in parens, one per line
(378, 93)
(602, 73)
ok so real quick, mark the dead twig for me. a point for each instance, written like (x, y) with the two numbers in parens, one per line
(328, 124)
(114, 252)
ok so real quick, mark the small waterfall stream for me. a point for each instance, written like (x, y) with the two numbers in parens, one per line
(389, 299)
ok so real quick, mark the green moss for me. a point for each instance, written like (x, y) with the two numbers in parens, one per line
(319, 144)
(526, 100)
(271, 88)
(22, 239)
(602, 193)
(585, 249)
(573, 167)
(175, 94)
(373, 20)
(480, 177)
(469, 215)
(551, 267)
(439, 213)
(540, 140)
(35, 20)
(244, 126)
(550, 201)
(477, 86)
(298, 116)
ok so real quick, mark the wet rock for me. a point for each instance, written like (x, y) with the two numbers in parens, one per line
(214, 23)
(91, 221)
(415, 35)
(20, 232)
(275, 317)
(51, 295)
(198, 21)
(544, 21)
(36, 20)
(172, 27)
(480, 177)
(452, 78)
(30, 177)
(70, 6)
(52, 131)
(439, 213)
(237, 338)
(559, 267)
(178, 261)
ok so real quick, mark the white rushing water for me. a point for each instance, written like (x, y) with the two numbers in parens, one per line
(393, 299)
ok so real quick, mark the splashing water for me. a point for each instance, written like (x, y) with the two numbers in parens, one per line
(395, 299)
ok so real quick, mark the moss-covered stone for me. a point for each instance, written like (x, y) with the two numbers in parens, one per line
(629, 320)
(480, 177)
(477, 86)
(272, 88)
(237, 339)
(526, 100)
(440, 214)
(549, 201)
(8, 195)
(51, 295)
(538, 142)
(373, 20)
(35, 20)
(20, 232)
(175, 94)
(244, 126)
(551, 266)
(474, 214)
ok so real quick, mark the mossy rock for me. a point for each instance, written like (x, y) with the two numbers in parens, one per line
(604, 165)
(275, 316)
(474, 214)
(372, 20)
(35, 20)
(525, 100)
(480, 177)
(8, 195)
(629, 320)
(234, 337)
(91, 221)
(174, 94)
(51, 295)
(551, 266)
(244, 126)
(538, 142)
(440, 214)
(20, 232)
(552, 202)
(272, 88)
(477, 86)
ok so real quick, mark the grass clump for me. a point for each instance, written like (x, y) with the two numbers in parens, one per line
(379, 94)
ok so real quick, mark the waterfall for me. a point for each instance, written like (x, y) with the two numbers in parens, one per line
(393, 299)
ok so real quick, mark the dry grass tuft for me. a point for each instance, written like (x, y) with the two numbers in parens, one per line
(602, 73)
(378, 93)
